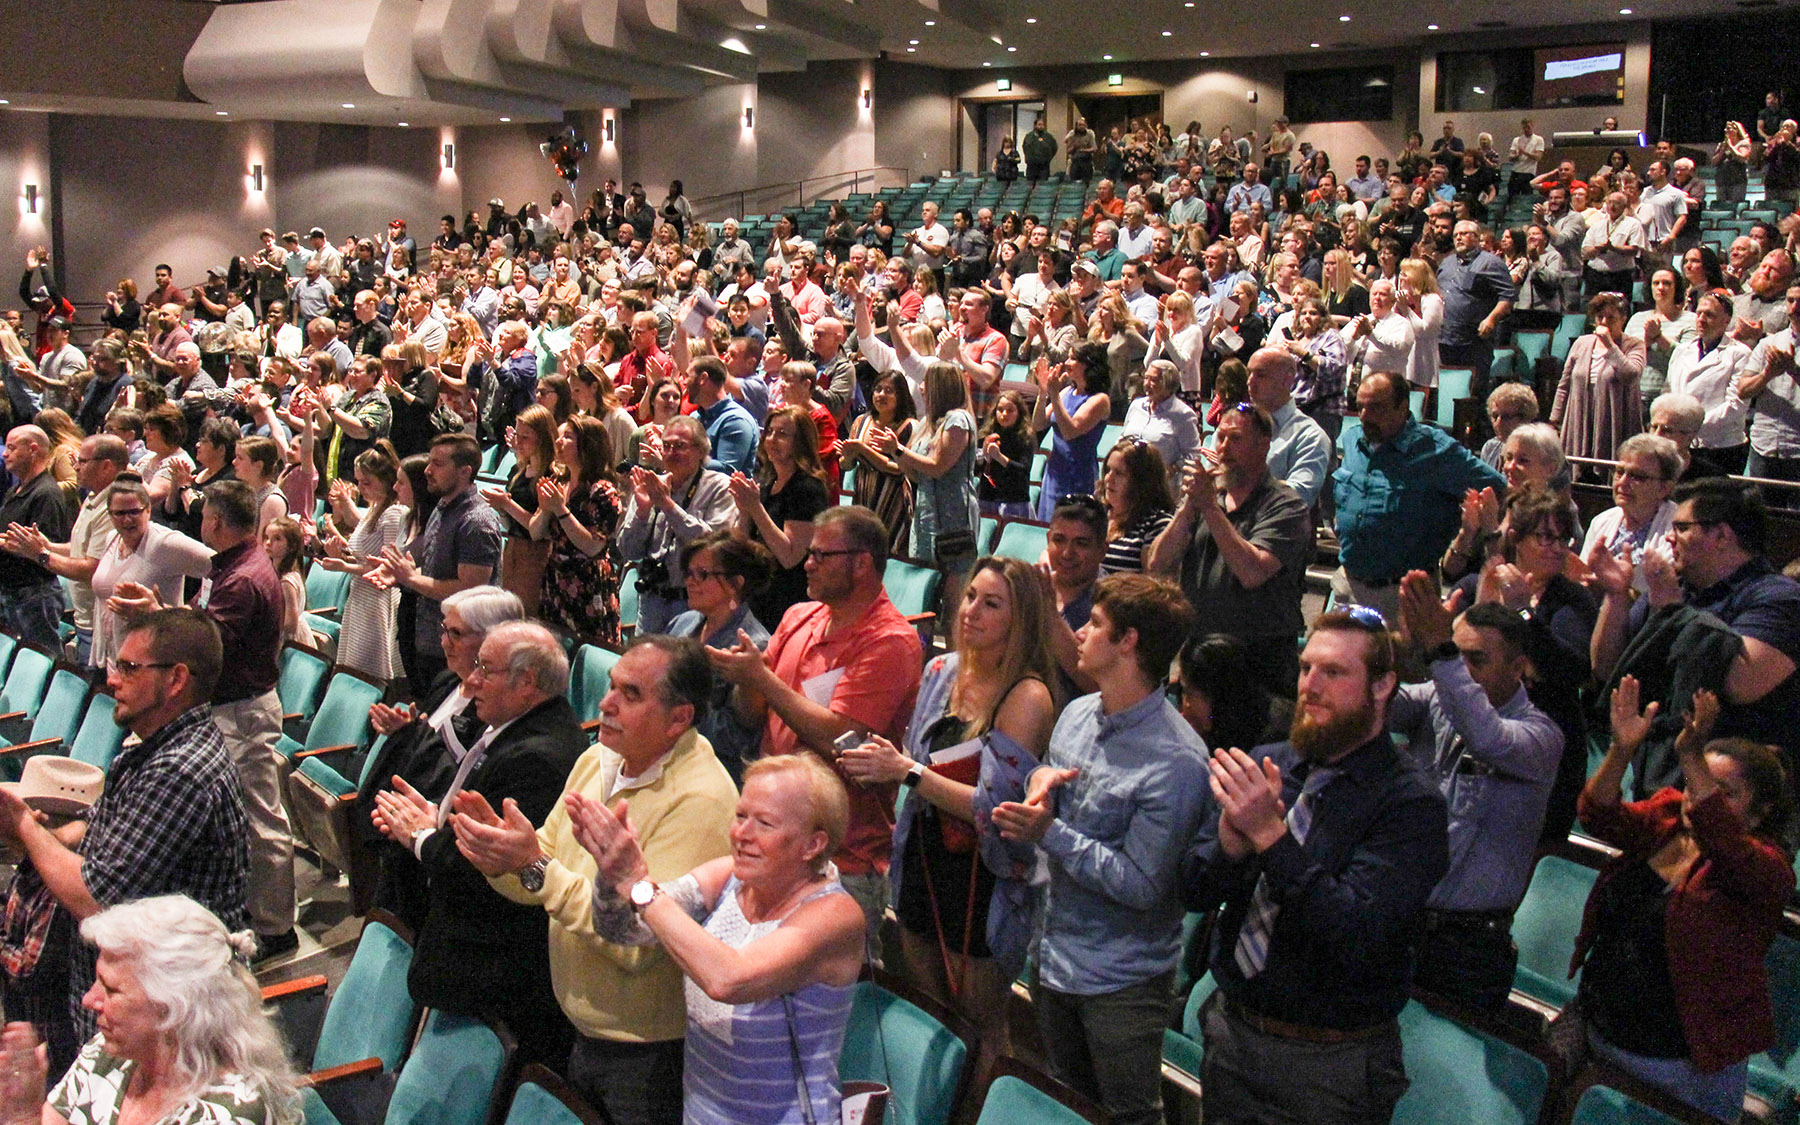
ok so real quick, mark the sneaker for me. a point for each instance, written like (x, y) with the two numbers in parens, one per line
(271, 946)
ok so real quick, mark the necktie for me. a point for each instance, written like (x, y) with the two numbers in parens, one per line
(1259, 921)
(470, 760)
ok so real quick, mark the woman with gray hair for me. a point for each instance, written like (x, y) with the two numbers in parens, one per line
(423, 742)
(183, 1037)
(1158, 418)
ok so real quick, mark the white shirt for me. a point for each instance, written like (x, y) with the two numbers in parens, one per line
(1388, 345)
(1659, 210)
(1526, 152)
(936, 235)
(1713, 379)
(1623, 237)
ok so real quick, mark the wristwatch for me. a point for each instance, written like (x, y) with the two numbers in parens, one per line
(643, 893)
(531, 876)
(1445, 651)
(914, 772)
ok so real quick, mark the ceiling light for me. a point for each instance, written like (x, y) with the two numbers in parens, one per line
(349, 105)
(1030, 19)
(987, 64)
(1106, 58)
(5, 101)
(1011, 49)
(762, 27)
(914, 42)
(1205, 54)
(912, 50)
(1166, 34)
(404, 124)
(1313, 44)
(998, 42)
(1189, 4)
(930, 23)
(504, 120)
(1431, 27)
(222, 113)
(1343, 19)
(1478, 89)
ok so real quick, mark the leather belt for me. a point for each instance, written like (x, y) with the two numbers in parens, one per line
(1281, 1029)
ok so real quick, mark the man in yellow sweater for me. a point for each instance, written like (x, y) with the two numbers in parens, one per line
(626, 1002)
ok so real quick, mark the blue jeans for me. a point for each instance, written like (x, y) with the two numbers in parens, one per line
(1720, 1093)
(33, 613)
(655, 612)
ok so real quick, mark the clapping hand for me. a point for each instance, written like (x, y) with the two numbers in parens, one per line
(745, 493)
(881, 439)
(740, 663)
(553, 496)
(25, 540)
(401, 813)
(494, 843)
(1697, 723)
(1425, 620)
(876, 760)
(132, 599)
(1250, 804)
(1027, 821)
(1664, 584)
(387, 720)
(1612, 573)
(609, 837)
(24, 1069)
(1503, 583)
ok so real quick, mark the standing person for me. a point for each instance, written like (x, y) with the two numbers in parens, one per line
(940, 463)
(367, 638)
(1076, 403)
(243, 600)
(1478, 294)
(31, 599)
(1611, 249)
(1526, 151)
(666, 513)
(721, 570)
(1120, 794)
(1039, 149)
(880, 483)
(777, 508)
(578, 512)
(458, 548)
(1291, 1032)
(1494, 756)
(1080, 144)
(1769, 382)
(1710, 368)
(1674, 989)
(962, 896)
(1598, 402)
(101, 459)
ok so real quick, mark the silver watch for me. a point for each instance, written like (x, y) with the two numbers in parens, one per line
(531, 876)
(643, 893)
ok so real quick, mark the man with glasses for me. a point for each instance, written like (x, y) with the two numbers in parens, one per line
(670, 510)
(846, 663)
(1716, 562)
(1323, 854)
(1240, 542)
(1678, 418)
(170, 820)
(478, 952)
(31, 600)
(242, 597)
(1399, 496)
(1769, 384)
(98, 463)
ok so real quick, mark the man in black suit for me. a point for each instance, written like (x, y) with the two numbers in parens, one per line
(477, 952)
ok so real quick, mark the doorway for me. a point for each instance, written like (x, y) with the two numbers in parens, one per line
(1104, 111)
(988, 122)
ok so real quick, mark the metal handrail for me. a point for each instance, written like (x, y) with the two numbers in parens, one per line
(854, 176)
(1760, 482)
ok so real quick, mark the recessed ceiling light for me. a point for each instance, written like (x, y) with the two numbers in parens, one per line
(349, 105)
(1011, 49)
(1106, 58)
(5, 101)
(930, 23)
(404, 124)
(222, 113)
(1189, 4)
(912, 50)
(987, 64)
(914, 42)
(503, 120)
(762, 27)
(1204, 54)
(1431, 27)
(1166, 34)
(1314, 44)
(1030, 19)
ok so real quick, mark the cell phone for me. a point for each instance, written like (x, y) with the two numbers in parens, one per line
(1064, 240)
(849, 740)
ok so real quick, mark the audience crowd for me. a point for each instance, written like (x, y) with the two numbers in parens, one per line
(493, 432)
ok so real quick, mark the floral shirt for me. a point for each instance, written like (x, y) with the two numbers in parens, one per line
(93, 1093)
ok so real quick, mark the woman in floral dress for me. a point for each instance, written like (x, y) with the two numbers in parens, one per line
(578, 512)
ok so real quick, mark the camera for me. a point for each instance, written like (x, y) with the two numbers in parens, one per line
(653, 576)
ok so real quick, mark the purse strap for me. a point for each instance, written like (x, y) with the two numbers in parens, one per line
(806, 1107)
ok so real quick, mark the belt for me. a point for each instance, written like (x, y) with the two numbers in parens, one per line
(1373, 583)
(1500, 920)
(1281, 1029)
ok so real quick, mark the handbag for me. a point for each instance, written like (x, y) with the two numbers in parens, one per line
(950, 547)
(860, 1102)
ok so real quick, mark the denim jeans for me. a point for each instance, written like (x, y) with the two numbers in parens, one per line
(1109, 1046)
(1720, 1092)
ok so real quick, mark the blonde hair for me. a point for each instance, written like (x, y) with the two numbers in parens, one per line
(825, 796)
(1027, 654)
(1420, 275)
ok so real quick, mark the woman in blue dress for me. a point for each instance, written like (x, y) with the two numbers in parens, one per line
(1074, 405)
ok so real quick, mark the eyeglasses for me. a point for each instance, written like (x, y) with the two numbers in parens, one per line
(1680, 526)
(816, 555)
(126, 513)
(1507, 416)
(132, 667)
(1620, 472)
(455, 634)
(696, 574)
(1547, 536)
(671, 446)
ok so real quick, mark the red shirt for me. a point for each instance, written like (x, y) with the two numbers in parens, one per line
(989, 348)
(828, 449)
(637, 372)
(881, 658)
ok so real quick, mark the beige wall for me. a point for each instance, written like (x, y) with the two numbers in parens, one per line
(24, 159)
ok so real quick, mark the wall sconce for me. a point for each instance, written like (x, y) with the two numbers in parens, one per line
(256, 177)
(609, 130)
(449, 155)
(868, 97)
(1003, 84)
(31, 198)
(749, 117)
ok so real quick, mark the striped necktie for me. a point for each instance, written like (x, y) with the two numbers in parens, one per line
(1259, 920)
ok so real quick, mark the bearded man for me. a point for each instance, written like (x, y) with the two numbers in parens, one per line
(1324, 854)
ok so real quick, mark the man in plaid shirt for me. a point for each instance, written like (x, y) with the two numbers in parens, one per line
(171, 820)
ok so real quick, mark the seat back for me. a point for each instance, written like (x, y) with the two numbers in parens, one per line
(590, 679)
(1012, 1099)
(912, 588)
(1603, 1105)
(9, 644)
(1020, 540)
(343, 717)
(371, 1013)
(27, 681)
(1545, 928)
(1460, 1074)
(893, 1041)
(303, 676)
(453, 1074)
(1454, 383)
(1775, 1073)
(60, 714)
(98, 741)
(542, 1098)
(326, 589)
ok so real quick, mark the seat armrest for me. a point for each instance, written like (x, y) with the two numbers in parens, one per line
(302, 755)
(339, 1073)
(289, 989)
(38, 747)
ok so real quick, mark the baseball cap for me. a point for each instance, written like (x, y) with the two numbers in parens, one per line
(1085, 266)
(495, 203)
(316, 232)
(58, 322)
